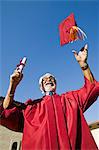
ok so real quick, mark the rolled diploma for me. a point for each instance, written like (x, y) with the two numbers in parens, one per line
(21, 66)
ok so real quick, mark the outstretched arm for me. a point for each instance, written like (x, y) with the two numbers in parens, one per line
(87, 95)
(15, 79)
(81, 58)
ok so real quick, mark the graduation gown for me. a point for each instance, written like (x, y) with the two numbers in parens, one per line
(54, 122)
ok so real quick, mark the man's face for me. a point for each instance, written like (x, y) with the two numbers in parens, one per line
(49, 84)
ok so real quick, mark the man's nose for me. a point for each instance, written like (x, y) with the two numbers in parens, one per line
(49, 79)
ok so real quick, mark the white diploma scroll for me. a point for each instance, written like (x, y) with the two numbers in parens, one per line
(21, 65)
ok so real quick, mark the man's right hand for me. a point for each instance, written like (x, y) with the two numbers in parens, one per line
(15, 78)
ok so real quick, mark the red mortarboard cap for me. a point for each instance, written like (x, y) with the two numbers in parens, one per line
(64, 29)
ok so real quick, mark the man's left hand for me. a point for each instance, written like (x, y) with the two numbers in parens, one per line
(82, 55)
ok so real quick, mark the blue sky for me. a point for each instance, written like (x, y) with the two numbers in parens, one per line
(30, 28)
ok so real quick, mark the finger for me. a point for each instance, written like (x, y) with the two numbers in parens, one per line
(21, 75)
(16, 74)
(75, 53)
(17, 71)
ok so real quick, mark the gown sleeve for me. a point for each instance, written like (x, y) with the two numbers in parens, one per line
(87, 95)
(12, 117)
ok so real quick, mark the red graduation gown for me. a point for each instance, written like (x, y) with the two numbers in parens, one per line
(55, 122)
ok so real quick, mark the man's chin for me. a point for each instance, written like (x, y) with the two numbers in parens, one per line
(49, 89)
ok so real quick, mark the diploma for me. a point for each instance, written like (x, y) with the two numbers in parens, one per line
(21, 65)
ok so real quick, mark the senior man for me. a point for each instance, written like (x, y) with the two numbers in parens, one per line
(53, 122)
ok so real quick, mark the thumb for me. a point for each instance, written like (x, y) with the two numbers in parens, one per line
(75, 53)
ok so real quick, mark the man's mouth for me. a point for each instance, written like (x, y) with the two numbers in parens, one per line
(50, 83)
